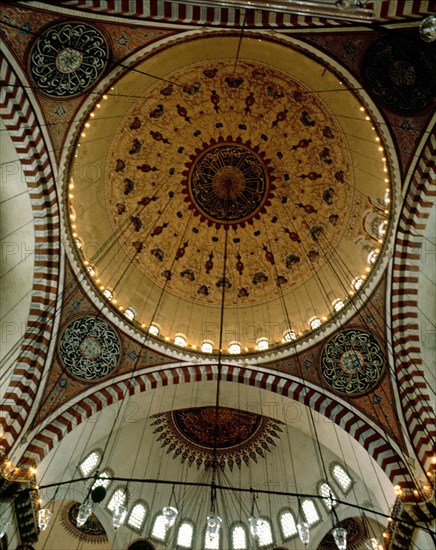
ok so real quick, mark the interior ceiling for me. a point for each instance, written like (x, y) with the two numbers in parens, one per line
(296, 197)
(247, 149)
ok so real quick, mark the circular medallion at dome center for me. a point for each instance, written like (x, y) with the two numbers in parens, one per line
(228, 183)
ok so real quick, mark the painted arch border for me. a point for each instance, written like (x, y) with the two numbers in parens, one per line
(413, 395)
(380, 448)
(21, 116)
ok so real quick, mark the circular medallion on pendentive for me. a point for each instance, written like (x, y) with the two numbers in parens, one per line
(67, 58)
(400, 71)
(89, 348)
(352, 362)
(228, 183)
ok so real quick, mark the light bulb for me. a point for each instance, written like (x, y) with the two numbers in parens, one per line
(340, 536)
(119, 516)
(85, 511)
(304, 532)
(170, 514)
(44, 516)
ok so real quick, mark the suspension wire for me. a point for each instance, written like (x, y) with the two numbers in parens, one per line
(208, 485)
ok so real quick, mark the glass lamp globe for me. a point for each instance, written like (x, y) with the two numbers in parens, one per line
(427, 29)
(85, 511)
(304, 532)
(170, 515)
(44, 516)
(256, 525)
(340, 536)
(119, 516)
(213, 526)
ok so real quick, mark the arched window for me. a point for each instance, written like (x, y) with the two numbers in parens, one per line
(159, 531)
(212, 543)
(315, 323)
(90, 463)
(264, 534)
(287, 524)
(310, 512)
(342, 478)
(102, 480)
(328, 496)
(130, 313)
(185, 534)
(239, 538)
(118, 498)
(137, 515)
(141, 545)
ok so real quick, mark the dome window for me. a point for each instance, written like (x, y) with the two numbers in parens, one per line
(180, 340)
(262, 344)
(338, 305)
(342, 478)
(234, 348)
(136, 517)
(289, 335)
(357, 283)
(90, 463)
(328, 496)
(239, 538)
(315, 323)
(185, 535)
(154, 330)
(130, 313)
(118, 499)
(288, 525)
(372, 257)
(310, 512)
(108, 294)
(207, 347)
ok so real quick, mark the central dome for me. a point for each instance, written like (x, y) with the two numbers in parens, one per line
(254, 162)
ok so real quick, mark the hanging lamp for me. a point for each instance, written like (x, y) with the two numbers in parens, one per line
(303, 529)
(340, 536)
(213, 526)
(44, 516)
(339, 533)
(255, 521)
(169, 512)
(119, 516)
(84, 513)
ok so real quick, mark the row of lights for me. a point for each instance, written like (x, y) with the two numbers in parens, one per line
(234, 347)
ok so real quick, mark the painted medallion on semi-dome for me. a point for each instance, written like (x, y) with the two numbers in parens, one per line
(89, 348)
(67, 58)
(192, 435)
(253, 152)
(92, 531)
(352, 362)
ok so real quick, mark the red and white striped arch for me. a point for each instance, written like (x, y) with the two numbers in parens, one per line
(166, 11)
(413, 392)
(373, 441)
(21, 122)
